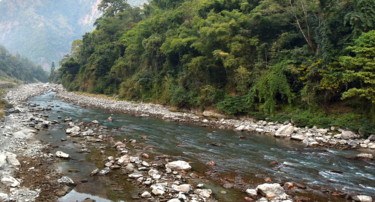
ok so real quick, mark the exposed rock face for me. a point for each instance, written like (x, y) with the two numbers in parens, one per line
(178, 165)
(284, 131)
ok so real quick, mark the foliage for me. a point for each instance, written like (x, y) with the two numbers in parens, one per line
(17, 67)
(241, 57)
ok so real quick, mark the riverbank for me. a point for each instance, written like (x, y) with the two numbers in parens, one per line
(311, 137)
(25, 167)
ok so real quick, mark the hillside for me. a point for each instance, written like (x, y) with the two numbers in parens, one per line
(17, 68)
(309, 62)
(43, 30)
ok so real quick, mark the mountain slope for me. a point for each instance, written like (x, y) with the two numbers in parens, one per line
(19, 68)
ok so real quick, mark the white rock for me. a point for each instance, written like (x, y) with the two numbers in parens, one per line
(4, 197)
(270, 190)
(146, 194)
(363, 198)
(3, 160)
(299, 137)
(174, 200)
(204, 193)
(135, 175)
(365, 156)
(284, 131)
(66, 180)
(10, 181)
(158, 189)
(345, 134)
(240, 128)
(95, 122)
(123, 160)
(61, 154)
(184, 188)
(178, 165)
(74, 129)
(12, 159)
(371, 145)
(251, 192)
(130, 167)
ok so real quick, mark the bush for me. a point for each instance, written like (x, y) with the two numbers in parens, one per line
(233, 105)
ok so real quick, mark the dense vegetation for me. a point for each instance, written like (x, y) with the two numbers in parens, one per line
(309, 61)
(17, 68)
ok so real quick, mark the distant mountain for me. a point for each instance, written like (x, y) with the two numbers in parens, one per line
(43, 30)
(19, 68)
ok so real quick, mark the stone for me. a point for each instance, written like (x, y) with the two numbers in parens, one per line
(146, 194)
(346, 134)
(365, 156)
(270, 190)
(362, 198)
(252, 192)
(10, 181)
(178, 165)
(204, 193)
(135, 175)
(61, 154)
(184, 188)
(284, 131)
(3, 160)
(104, 171)
(371, 145)
(158, 189)
(66, 180)
(74, 129)
(123, 160)
(174, 200)
(299, 137)
(371, 138)
(130, 167)
(240, 128)
(209, 113)
(4, 197)
(95, 122)
(94, 172)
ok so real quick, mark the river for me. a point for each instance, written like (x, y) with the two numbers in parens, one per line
(250, 157)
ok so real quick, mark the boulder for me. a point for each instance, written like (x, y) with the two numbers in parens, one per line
(204, 193)
(74, 129)
(371, 138)
(4, 197)
(146, 194)
(365, 156)
(184, 188)
(66, 180)
(346, 134)
(10, 181)
(63, 155)
(123, 160)
(299, 137)
(285, 131)
(178, 165)
(252, 192)
(158, 189)
(12, 159)
(3, 160)
(363, 198)
(270, 190)
(104, 171)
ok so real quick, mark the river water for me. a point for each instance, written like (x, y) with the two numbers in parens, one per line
(235, 154)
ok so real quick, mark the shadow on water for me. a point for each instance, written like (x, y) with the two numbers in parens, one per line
(247, 157)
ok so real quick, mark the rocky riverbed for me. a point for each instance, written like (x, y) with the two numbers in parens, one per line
(27, 172)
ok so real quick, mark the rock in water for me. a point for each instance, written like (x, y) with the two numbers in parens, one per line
(75, 129)
(362, 198)
(178, 165)
(66, 180)
(270, 190)
(284, 131)
(365, 156)
(61, 154)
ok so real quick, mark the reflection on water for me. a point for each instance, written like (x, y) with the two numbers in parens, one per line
(246, 156)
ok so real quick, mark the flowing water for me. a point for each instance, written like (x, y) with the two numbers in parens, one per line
(235, 153)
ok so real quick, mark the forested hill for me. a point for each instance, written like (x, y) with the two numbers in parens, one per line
(309, 61)
(17, 68)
